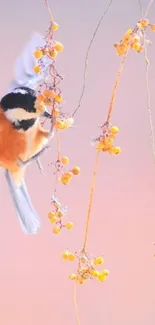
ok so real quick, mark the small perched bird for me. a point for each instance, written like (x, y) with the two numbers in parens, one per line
(22, 138)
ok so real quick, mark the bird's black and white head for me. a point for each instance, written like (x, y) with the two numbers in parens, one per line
(22, 108)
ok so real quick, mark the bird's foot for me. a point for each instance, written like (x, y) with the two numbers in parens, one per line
(40, 167)
(22, 163)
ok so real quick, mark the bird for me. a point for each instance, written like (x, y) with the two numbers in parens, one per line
(22, 138)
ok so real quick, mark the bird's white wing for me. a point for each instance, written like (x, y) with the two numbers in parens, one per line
(23, 69)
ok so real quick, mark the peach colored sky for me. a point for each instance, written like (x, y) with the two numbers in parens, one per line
(34, 281)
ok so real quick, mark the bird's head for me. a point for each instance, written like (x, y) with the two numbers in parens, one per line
(21, 107)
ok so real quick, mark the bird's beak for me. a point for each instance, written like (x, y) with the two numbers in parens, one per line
(46, 114)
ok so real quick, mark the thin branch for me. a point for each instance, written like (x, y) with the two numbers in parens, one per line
(87, 55)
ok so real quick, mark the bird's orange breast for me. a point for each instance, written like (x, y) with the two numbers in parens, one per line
(12, 144)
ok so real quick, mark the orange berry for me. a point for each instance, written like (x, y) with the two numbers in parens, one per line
(58, 98)
(53, 53)
(68, 174)
(76, 170)
(49, 93)
(37, 69)
(64, 181)
(58, 46)
(65, 160)
(53, 220)
(41, 98)
(80, 280)
(38, 54)
(152, 28)
(60, 214)
(51, 214)
(56, 112)
(55, 26)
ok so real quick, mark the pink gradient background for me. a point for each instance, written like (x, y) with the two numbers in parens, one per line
(34, 285)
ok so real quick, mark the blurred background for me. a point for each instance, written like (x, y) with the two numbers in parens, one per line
(33, 277)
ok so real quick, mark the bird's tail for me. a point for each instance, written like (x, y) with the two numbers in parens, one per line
(29, 220)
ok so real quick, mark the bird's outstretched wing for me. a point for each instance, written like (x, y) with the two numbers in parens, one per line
(23, 69)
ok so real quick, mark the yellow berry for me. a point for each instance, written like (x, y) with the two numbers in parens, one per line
(55, 26)
(105, 272)
(59, 125)
(72, 276)
(53, 53)
(69, 225)
(38, 54)
(58, 98)
(37, 69)
(71, 257)
(98, 260)
(127, 37)
(65, 179)
(65, 255)
(114, 129)
(137, 47)
(95, 273)
(143, 23)
(99, 145)
(152, 28)
(58, 46)
(56, 230)
(101, 277)
(129, 31)
(76, 170)
(65, 160)
(53, 220)
(115, 150)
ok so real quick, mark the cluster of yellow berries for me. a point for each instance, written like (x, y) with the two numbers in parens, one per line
(66, 176)
(104, 143)
(63, 122)
(87, 267)
(50, 50)
(56, 216)
(134, 38)
(49, 96)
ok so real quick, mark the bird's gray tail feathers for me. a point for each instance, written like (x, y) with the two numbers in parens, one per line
(29, 220)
